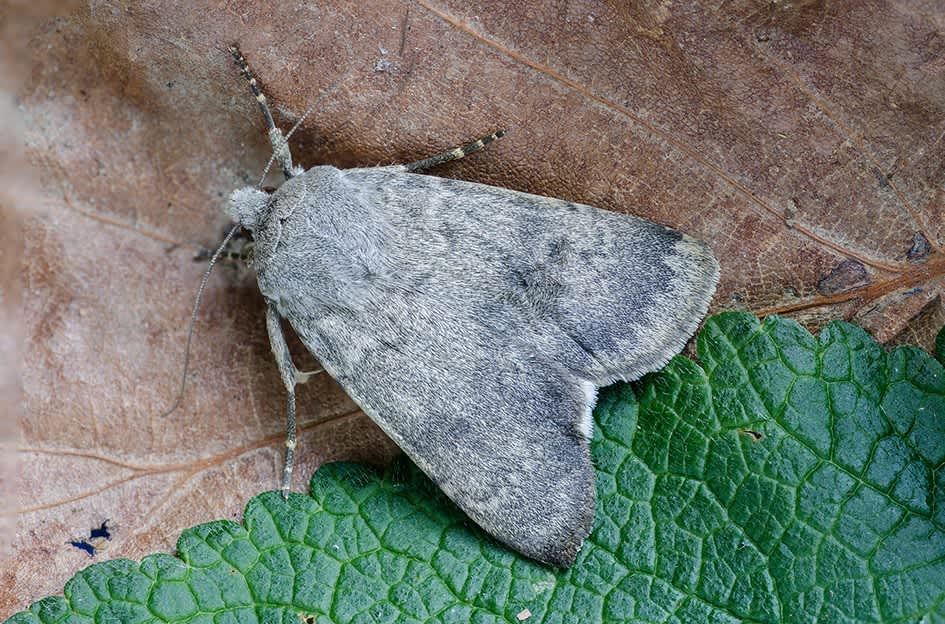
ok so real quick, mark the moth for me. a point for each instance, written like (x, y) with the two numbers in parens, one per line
(472, 323)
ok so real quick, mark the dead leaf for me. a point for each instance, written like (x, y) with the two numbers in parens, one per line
(802, 140)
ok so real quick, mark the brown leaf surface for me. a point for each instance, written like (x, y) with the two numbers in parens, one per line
(802, 140)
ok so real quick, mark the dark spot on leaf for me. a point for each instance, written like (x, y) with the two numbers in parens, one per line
(790, 211)
(101, 532)
(83, 545)
(95, 541)
(920, 247)
(847, 275)
(757, 436)
(881, 178)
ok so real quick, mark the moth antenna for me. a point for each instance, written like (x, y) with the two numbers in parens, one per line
(193, 319)
(298, 124)
(456, 153)
(285, 141)
(278, 142)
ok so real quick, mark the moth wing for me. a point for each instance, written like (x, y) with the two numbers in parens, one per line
(496, 425)
(610, 296)
(474, 324)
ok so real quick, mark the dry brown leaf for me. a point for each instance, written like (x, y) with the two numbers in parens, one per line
(802, 140)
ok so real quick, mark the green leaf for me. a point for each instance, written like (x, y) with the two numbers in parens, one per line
(785, 479)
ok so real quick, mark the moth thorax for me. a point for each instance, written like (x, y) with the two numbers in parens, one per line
(245, 205)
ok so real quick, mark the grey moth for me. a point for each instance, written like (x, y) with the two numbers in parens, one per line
(472, 323)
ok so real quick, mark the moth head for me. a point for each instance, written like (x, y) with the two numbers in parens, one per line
(246, 205)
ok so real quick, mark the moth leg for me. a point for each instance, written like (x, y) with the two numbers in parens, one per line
(455, 153)
(234, 252)
(290, 376)
(228, 256)
(280, 147)
(303, 377)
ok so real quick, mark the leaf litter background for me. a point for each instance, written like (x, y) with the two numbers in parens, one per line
(803, 141)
